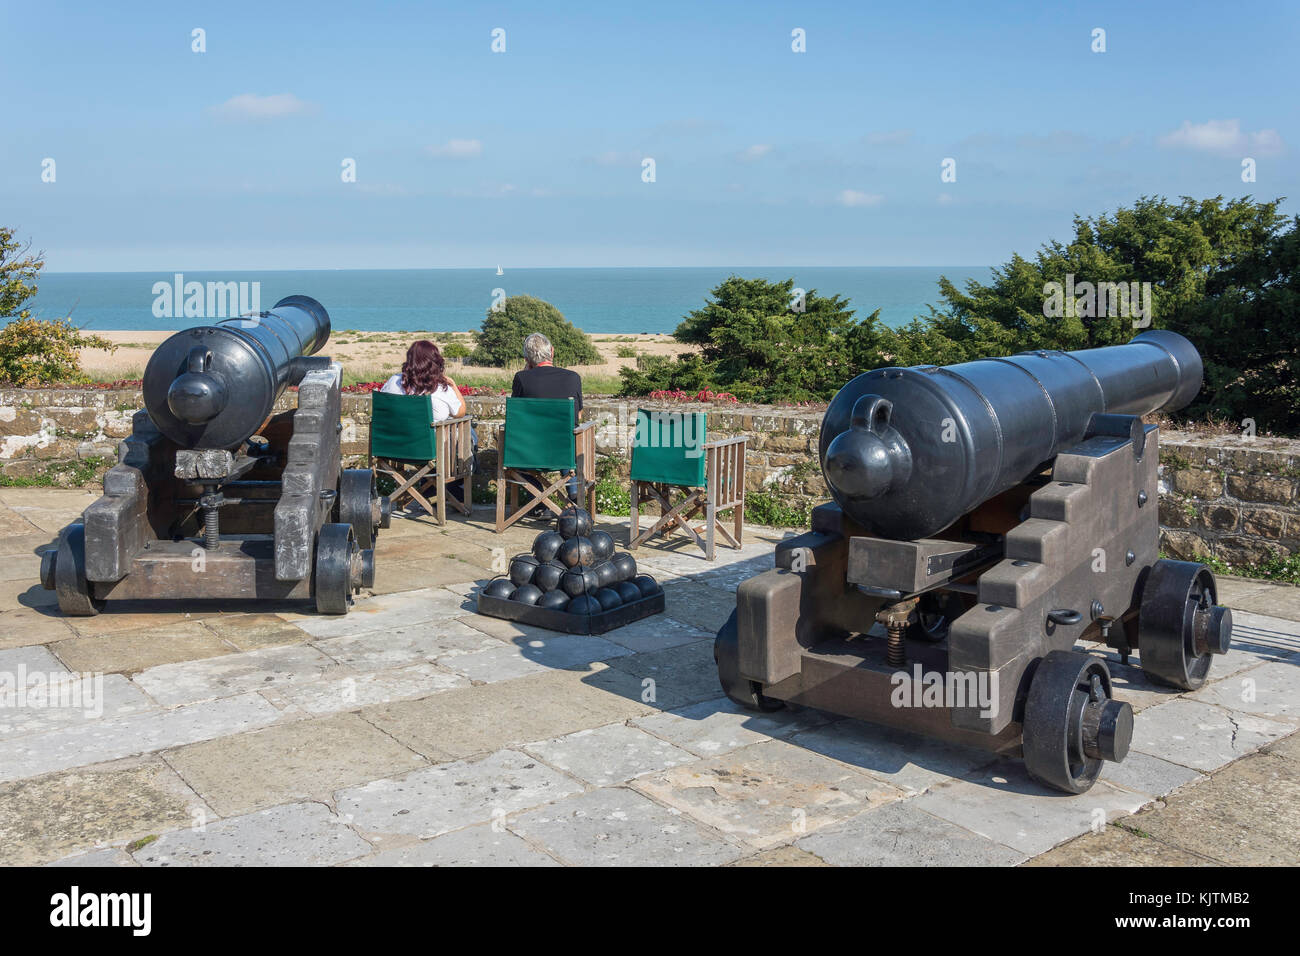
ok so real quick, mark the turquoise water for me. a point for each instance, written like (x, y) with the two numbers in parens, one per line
(446, 300)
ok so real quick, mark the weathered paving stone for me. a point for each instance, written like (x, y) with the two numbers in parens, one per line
(193, 681)
(609, 755)
(534, 655)
(1005, 805)
(71, 700)
(354, 691)
(82, 744)
(298, 760)
(781, 856)
(700, 606)
(96, 858)
(901, 834)
(1269, 600)
(440, 799)
(36, 660)
(298, 834)
(407, 575)
(427, 641)
(1244, 815)
(25, 626)
(719, 726)
(666, 679)
(249, 632)
(1270, 690)
(616, 827)
(1199, 736)
(907, 761)
(473, 846)
(656, 634)
(459, 723)
(77, 810)
(767, 793)
(169, 640)
(384, 613)
(1257, 637)
(1147, 774)
(1118, 846)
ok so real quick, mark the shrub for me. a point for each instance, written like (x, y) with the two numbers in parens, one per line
(456, 350)
(501, 340)
(44, 351)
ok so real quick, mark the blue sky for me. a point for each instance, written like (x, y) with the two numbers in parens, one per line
(168, 159)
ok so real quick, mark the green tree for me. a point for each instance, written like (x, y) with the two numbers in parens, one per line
(19, 268)
(759, 342)
(501, 340)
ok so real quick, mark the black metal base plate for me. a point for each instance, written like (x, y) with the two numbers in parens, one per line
(568, 623)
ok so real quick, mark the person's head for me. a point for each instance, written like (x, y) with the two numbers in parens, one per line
(422, 372)
(537, 349)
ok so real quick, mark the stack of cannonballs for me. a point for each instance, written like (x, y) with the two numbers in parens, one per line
(574, 569)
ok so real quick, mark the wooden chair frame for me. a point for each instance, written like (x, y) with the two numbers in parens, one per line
(513, 479)
(724, 487)
(454, 443)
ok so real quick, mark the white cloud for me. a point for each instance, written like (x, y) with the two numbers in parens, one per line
(1222, 136)
(756, 152)
(852, 197)
(457, 149)
(945, 199)
(254, 107)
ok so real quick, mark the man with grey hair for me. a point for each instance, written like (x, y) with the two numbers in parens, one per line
(541, 379)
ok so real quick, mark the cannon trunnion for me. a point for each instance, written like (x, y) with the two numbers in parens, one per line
(944, 591)
(216, 497)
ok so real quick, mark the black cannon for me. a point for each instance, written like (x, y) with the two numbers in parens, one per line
(217, 496)
(987, 517)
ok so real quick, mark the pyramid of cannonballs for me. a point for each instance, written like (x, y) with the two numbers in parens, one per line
(573, 569)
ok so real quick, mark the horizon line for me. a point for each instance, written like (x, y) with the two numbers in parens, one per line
(49, 272)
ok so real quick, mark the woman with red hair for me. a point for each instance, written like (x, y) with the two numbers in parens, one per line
(424, 373)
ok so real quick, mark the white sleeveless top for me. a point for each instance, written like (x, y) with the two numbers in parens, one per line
(445, 400)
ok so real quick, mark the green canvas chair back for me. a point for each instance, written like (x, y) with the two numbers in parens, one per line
(668, 448)
(539, 434)
(400, 427)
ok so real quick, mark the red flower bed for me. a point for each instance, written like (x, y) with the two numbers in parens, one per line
(364, 387)
(703, 395)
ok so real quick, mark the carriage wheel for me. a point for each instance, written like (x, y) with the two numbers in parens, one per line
(1180, 627)
(69, 574)
(359, 504)
(336, 558)
(1072, 723)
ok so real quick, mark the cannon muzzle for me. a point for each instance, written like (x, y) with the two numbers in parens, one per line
(908, 451)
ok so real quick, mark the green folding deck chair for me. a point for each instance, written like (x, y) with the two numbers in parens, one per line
(420, 454)
(669, 451)
(539, 436)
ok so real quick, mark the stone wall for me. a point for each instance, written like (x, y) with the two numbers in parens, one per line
(1236, 500)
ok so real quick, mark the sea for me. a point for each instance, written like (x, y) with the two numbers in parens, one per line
(607, 301)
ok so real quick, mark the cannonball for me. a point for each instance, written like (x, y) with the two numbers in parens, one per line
(577, 581)
(577, 552)
(546, 545)
(626, 565)
(602, 545)
(522, 568)
(528, 594)
(628, 591)
(606, 574)
(554, 600)
(646, 585)
(547, 577)
(584, 604)
(573, 521)
(608, 598)
(499, 588)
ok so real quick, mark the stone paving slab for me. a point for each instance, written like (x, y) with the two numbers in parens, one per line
(609, 755)
(1144, 773)
(666, 679)
(24, 626)
(437, 800)
(534, 656)
(1005, 805)
(298, 834)
(384, 613)
(1200, 736)
(480, 845)
(54, 815)
(132, 650)
(96, 859)
(907, 761)
(189, 682)
(1270, 690)
(719, 726)
(426, 641)
(304, 759)
(767, 793)
(781, 856)
(32, 659)
(616, 827)
(903, 834)
(354, 691)
(81, 744)
(1118, 846)
(72, 699)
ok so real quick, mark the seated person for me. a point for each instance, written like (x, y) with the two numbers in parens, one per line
(423, 373)
(540, 378)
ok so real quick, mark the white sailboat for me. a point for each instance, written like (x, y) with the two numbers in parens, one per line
(499, 272)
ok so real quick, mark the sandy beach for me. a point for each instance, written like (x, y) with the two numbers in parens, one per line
(373, 356)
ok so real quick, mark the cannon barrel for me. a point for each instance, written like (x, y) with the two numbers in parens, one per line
(908, 451)
(213, 386)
